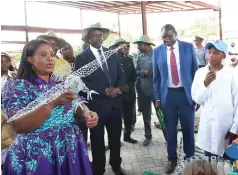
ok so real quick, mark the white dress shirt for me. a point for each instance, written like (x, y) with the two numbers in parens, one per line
(219, 108)
(176, 53)
(96, 54)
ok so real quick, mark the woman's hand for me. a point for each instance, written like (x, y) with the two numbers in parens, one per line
(91, 119)
(63, 99)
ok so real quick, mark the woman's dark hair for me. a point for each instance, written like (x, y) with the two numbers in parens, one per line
(169, 27)
(25, 68)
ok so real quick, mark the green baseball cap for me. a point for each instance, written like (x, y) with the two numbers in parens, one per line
(144, 39)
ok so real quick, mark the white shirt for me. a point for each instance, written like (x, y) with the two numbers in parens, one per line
(96, 54)
(219, 108)
(176, 53)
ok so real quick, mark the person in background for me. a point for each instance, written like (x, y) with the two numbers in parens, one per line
(7, 70)
(146, 93)
(200, 51)
(129, 94)
(215, 88)
(108, 81)
(62, 67)
(135, 58)
(48, 138)
(7, 134)
(174, 67)
(127, 53)
(68, 53)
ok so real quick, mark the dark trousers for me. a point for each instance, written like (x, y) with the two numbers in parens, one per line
(145, 105)
(134, 115)
(128, 111)
(177, 106)
(113, 123)
(138, 90)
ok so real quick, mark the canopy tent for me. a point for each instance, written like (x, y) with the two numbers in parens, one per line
(118, 7)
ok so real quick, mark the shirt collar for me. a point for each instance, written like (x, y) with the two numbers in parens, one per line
(175, 46)
(94, 49)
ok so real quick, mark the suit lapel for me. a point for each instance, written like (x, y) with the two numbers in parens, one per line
(165, 60)
(181, 55)
(91, 57)
(90, 54)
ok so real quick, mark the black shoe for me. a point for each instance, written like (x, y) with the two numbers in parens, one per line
(146, 142)
(130, 140)
(170, 167)
(118, 171)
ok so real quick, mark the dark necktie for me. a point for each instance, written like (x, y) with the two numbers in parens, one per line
(174, 69)
(104, 66)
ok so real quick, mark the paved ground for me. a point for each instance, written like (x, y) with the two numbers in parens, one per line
(136, 158)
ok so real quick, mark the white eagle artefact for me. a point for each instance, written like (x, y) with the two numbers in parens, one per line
(72, 82)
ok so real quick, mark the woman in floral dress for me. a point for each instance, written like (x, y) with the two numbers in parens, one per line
(49, 140)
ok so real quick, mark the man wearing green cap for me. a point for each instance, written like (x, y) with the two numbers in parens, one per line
(55, 42)
(144, 72)
(108, 81)
(200, 51)
(62, 67)
(128, 95)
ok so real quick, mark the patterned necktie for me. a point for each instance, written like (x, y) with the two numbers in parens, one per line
(174, 69)
(104, 66)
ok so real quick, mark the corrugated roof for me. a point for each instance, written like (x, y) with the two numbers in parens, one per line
(134, 7)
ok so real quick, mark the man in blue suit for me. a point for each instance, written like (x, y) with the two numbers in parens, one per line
(174, 66)
(108, 81)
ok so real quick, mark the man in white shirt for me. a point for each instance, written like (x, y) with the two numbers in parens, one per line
(174, 66)
(215, 88)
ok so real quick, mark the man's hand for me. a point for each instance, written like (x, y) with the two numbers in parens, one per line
(230, 136)
(91, 119)
(126, 88)
(157, 104)
(147, 73)
(211, 76)
(112, 92)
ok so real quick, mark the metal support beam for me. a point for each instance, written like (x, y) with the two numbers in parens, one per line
(144, 22)
(26, 26)
(119, 26)
(81, 19)
(220, 25)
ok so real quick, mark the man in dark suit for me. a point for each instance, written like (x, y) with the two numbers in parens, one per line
(108, 81)
(129, 94)
(174, 66)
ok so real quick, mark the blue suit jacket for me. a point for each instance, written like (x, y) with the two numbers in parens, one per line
(188, 67)
(97, 81)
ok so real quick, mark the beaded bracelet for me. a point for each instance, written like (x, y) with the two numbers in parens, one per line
(48, 105)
